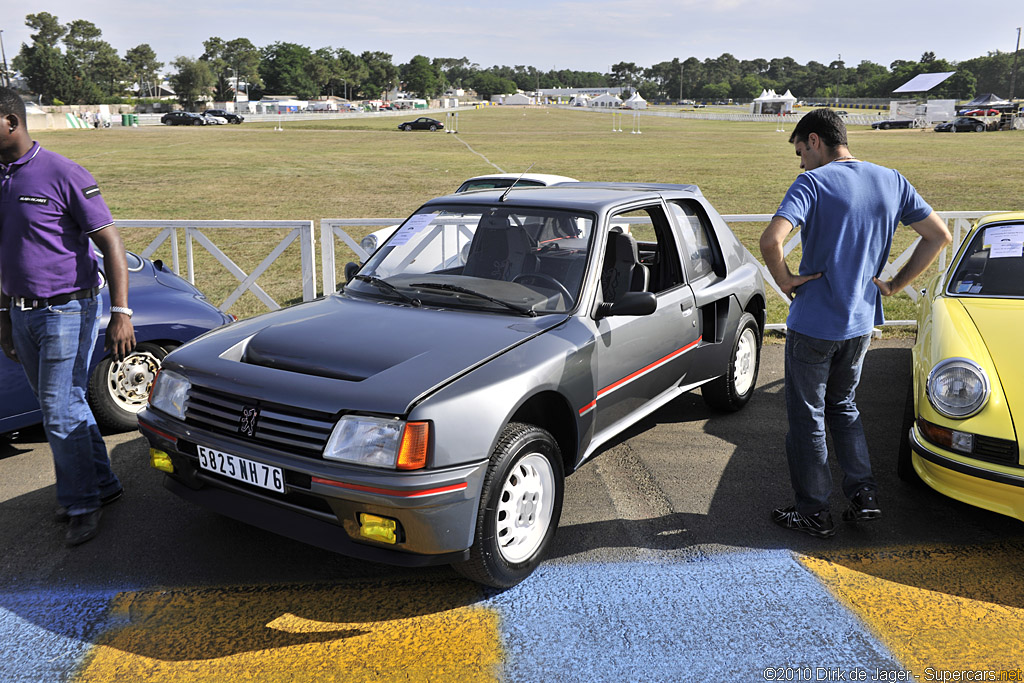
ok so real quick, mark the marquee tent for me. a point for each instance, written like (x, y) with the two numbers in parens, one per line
(606, 100)
(771, 103)
(635, 102)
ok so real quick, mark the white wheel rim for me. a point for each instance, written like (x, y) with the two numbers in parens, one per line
(129, 381)
(524, 508)
(746, 362)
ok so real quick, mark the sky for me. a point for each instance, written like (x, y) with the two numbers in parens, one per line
(583, 35)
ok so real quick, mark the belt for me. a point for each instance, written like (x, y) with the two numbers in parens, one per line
(28, 304)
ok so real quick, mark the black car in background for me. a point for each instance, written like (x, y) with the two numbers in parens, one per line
(893, 123)
(230, 117)
(422, 123)
(962, 124)
(182, 118)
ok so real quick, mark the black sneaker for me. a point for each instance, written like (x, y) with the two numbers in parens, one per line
(60, 515)
(82, 528)
(863, 506)
(819, 525)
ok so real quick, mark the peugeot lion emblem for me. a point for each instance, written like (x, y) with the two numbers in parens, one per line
(247, 424)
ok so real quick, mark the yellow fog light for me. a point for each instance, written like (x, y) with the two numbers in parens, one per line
(160, 460)
(378, 528)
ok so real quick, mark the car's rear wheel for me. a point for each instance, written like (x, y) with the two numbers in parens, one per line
(118, 390)
(904, 456)
(408, 127)
(731, 391)
(520, 504)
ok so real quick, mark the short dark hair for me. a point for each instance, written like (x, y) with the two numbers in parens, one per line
(11, 103)
(826, 123)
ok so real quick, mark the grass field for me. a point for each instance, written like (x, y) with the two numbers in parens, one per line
(366, 168)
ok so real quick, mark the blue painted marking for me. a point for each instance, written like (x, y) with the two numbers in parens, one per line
(723, 618)
(45, 634)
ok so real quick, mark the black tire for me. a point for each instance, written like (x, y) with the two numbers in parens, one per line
(197, 122)
(904, 456)
(731, 391)
(408, 127)
(432, 128)
(979, 128)
(119, 390)
(885, 126)
(525, 477)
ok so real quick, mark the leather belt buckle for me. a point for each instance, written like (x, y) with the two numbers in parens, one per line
(23, 303)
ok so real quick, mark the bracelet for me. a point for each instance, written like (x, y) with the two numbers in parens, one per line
(122, 309)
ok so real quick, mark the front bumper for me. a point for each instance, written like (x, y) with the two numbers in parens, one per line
(983, 487)
(436, 510)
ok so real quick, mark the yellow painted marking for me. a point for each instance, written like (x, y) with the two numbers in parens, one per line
(947, 609)
(357, 632)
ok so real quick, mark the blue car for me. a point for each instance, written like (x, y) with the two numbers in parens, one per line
(168, 312)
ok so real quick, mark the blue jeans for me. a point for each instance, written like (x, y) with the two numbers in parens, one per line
(821, 380)
(54, 346)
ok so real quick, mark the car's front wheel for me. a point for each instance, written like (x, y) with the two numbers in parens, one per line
(520, 505)
(731, 391)
(979, 128)
(433, 128)
(118, 390)
(408, 127)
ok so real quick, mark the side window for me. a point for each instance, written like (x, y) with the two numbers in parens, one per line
(656, 267)
(698, 246)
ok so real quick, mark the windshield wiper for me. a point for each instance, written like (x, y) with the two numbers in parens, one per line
(385, 286)
(465, 290)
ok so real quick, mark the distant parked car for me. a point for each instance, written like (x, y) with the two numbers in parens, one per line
(168, 312)
(422, 123)
(981, 112)
(182, 118)
(228, 116)
(962, 124)
(494, 181)
(893, 123)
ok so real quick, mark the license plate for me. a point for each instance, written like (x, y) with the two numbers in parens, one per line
(242, 469)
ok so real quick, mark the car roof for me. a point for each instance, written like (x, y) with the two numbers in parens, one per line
(595, 197)
(546, 178)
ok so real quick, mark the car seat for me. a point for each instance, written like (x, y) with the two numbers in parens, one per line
(622, 270)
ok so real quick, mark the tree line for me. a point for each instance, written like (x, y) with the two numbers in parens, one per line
(71, 64)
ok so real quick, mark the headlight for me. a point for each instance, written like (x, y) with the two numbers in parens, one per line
(170, 393)
(379, 442)
(957, 387)
(369, 244)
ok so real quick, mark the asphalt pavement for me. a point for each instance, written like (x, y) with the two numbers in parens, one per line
(665, 567)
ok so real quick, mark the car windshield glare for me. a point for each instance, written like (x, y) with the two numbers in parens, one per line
(510, 258)
(993, 263)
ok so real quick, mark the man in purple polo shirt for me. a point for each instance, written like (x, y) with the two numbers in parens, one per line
(50, 207)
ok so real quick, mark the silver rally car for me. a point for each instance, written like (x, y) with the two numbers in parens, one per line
(429, 411)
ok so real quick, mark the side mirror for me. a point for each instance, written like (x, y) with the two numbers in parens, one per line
(631, 303)
(350, 270)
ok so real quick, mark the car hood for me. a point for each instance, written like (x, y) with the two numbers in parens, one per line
(998, 322)
(339, 353)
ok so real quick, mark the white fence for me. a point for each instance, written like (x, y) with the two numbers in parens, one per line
(195, 232)
(333, 229)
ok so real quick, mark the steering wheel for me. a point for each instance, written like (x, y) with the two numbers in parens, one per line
(544, 277)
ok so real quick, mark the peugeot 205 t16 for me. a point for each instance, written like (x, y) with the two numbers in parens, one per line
(429, 411)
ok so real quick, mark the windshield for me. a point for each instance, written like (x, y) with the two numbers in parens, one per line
(502, 259)
(993, 263)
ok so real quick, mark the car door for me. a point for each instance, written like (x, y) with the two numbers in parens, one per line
(640, 359)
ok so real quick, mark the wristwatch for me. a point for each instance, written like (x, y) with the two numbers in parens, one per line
(122, 309)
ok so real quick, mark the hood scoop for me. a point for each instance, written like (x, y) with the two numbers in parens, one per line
(288, 347)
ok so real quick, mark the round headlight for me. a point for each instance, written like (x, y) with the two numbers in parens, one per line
(369, 243)
(957, 387)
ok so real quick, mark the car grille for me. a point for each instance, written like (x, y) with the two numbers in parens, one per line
(1002, 451)
(285, 428)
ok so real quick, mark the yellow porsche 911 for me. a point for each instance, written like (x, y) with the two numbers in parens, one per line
(965, 409)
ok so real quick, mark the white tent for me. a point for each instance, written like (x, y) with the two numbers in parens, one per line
(606, 100)
(635, 102)
(580, 100)
(771, 103)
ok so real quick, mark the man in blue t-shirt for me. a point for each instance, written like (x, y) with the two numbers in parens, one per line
(50, 207)
(847, 210)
